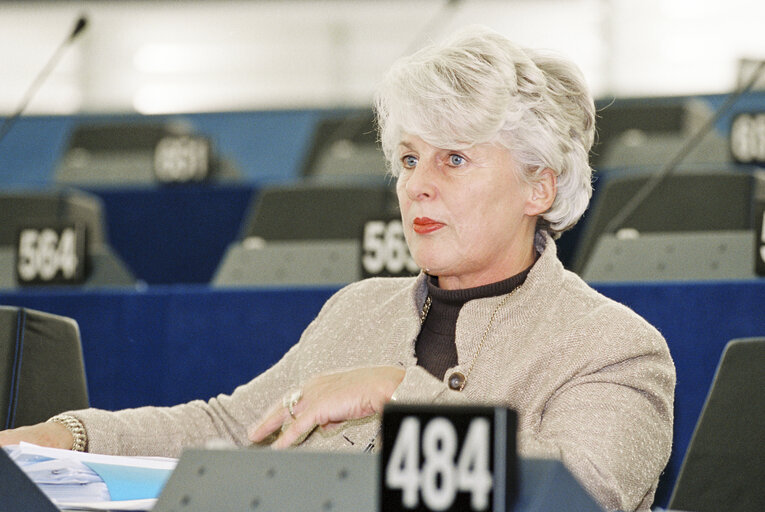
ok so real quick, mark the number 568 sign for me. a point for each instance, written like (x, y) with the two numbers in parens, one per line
(448, 458)
(384, 251)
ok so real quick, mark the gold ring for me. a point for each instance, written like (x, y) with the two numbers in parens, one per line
(291, 401)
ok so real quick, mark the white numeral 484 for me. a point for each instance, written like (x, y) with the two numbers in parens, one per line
(444, 472)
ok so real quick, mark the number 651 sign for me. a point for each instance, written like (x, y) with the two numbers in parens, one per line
(448, 458)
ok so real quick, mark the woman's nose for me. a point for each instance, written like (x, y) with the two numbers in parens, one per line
(420, 184)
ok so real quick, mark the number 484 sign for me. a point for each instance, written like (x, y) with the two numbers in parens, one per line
(448, 458)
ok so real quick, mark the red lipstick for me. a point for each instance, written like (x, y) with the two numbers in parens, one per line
(425, 225)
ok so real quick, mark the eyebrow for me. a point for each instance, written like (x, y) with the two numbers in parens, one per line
(406, 144)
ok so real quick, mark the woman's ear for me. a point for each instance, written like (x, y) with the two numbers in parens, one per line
(543, 192)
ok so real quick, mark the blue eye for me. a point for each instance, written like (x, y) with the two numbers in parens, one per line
(409, 161)
(456, 160)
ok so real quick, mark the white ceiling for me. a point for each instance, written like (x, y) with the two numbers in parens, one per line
(195, 56)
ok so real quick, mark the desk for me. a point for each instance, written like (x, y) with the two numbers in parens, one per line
(170, 344)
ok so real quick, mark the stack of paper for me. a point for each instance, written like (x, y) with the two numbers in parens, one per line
(100, 482)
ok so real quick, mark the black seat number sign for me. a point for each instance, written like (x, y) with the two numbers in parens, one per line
(181, 159)
(448, 458)
(384, 251)
(51, 254)
(747, 138)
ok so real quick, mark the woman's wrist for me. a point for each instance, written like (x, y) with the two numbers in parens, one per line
(75, 428)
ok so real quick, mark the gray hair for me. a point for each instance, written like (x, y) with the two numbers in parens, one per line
(480, 87)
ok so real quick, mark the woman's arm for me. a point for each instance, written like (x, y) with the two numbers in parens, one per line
(52, 435)
(166, 431)
(612, 428)
(330, 399)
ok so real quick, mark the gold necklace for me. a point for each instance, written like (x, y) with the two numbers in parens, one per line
(458, 380)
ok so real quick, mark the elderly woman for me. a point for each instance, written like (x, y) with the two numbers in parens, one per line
(489, 143)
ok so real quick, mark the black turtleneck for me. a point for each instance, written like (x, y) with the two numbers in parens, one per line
(435, 347)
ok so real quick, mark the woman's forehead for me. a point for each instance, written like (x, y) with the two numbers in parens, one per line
(411, 141)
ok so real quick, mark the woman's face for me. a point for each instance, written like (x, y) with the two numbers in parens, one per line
(468, 218)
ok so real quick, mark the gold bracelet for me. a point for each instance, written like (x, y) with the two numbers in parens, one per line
(75, 427)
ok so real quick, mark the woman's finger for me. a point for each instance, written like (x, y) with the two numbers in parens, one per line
(273, 422)
(303, 424)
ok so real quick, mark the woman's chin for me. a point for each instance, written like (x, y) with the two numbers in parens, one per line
(430, 267)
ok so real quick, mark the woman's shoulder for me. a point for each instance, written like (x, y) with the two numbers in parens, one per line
(604, 314)
(381, 284)
(376, 286)
(372, 291)
(370, 309)
(566, 295)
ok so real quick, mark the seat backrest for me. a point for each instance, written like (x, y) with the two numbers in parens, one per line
(127, 153)
(103, 267)
(345, 145)
(42, 372)
(346, 159)
(688, 201)
(289, 263)
(318, 211)
(723, 467)
(694, 255)
(18, 208)
(652, 150)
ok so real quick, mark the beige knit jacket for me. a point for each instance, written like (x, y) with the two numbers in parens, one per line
(593, 383)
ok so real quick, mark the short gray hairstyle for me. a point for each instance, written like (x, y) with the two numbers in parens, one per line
(480, 87)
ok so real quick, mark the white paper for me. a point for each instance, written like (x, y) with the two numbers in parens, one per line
(137, 462)
(110, 505)
(64, 477)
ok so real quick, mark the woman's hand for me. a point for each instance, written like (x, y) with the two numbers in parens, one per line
(52, 435)
(330, 399)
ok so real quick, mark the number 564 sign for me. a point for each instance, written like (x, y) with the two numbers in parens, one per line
(51, 254)
(448, 458)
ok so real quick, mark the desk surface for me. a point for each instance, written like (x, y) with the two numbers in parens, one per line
(167, 345)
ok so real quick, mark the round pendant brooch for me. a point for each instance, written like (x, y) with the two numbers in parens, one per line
(457, 381)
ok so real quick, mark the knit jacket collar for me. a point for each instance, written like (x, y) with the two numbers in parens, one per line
(546, 268)
(537, 291)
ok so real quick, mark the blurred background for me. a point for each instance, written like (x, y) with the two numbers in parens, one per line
(199, 56)
(217, 164)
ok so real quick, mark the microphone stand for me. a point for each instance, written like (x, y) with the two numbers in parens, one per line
(657, 179)
(42, 75)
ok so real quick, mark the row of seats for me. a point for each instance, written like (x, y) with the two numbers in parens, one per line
(634, 133)
(696, 225)
(721, 470)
